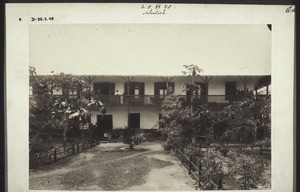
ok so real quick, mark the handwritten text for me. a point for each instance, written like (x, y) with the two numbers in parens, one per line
(156, 9)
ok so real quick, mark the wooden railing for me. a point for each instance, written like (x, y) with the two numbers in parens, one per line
(156, 100)
(194, 170)
(58, 153)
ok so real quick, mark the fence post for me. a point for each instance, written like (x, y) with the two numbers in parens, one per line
(55, 155)
(190, 165)
(73, 148)
(77, 147)
(182, 158)
(199, 174)
(220, 184)
(82, 145)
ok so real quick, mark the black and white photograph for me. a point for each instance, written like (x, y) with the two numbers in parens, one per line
(151, 105)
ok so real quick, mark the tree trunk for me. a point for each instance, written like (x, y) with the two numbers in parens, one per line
(91, 135)
(194, 137)
(65, 137)
(65, 126)
(82, 136)
(241, 142)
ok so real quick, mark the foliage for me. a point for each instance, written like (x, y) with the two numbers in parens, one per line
(167, 145)
(180, 125)
(245, 171)
(224, 151)
(38, 149)
(52, 115)
(249, 171)
(263, 115)
(211, 170)
(139, 138)
(191, 71)
(193, 150)
(203, 120)
(176, 121)
(238, 122)
(241, 93)
(241, 121)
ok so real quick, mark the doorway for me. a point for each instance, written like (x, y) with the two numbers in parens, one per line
(104, 124)
(105, 91)
(134, 120)
(230, 91)
(136, 92)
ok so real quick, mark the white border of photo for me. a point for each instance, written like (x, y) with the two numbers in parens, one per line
(17, 64)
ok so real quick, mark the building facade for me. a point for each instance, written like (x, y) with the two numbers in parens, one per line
(135, 101)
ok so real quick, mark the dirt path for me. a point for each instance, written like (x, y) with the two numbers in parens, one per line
(112, 167)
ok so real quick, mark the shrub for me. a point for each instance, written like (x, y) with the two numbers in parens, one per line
(224, 151)
(193, 150)
(211, 170)
(167, 146)
(117, 133)
(139, 138)
(250, 171)
(39, 150)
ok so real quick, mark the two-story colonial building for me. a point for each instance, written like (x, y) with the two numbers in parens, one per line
(135, 101)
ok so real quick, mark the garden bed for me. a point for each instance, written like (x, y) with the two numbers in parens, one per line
(230, 169)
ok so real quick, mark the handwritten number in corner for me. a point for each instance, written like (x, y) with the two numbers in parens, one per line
(42, 19)
(291, 9)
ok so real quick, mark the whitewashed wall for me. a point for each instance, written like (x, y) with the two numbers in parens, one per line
(149, 116)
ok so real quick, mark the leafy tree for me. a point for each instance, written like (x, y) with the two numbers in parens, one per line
(243, 120)
(240, 122)
(173, 119)
(262, 115)
(181, 123)
(58, 112)
(203, 120)
(192, 71)
(250, 171)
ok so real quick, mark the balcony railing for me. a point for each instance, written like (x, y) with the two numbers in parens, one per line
(156, 100)
(150, 100)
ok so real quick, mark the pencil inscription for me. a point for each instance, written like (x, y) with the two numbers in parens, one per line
(291, 9)
(157, 9)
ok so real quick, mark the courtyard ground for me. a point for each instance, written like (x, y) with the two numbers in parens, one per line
(111, 166)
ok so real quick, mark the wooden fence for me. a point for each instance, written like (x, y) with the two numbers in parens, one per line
(194, 169)
(58, 153)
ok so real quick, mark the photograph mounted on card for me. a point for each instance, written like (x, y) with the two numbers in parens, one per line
(150, 97)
